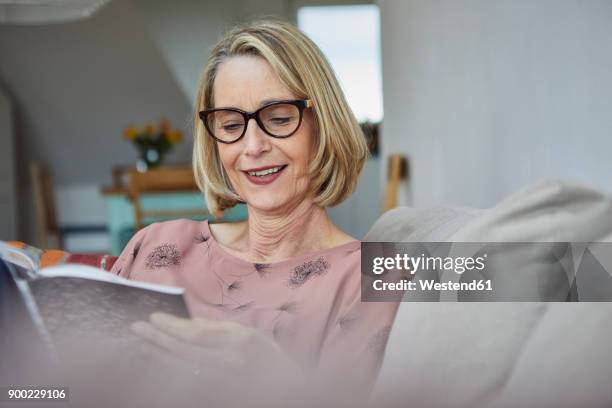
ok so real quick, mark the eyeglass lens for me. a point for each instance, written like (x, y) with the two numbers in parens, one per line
(279, 120)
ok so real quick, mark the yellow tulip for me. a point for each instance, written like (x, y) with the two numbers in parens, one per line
(149, 129)
(164, 125)
(175, 136)
(130, 133)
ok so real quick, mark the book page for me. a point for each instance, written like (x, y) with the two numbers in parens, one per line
(89, 272)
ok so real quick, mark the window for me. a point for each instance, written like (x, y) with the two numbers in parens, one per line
(353, 52)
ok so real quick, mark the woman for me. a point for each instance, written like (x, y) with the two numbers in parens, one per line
(284, 285)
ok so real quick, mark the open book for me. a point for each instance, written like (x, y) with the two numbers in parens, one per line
(72, 305)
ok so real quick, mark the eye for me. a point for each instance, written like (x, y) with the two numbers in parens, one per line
(231, 127)
(281, 120)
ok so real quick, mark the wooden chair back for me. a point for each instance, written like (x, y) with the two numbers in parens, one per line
(44, 202)
(397, 171)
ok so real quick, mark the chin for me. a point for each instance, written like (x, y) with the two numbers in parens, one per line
(266, 205)
(273, 199)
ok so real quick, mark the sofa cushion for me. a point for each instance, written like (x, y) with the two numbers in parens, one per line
(565, 362)
(550, 211)
(406, 224)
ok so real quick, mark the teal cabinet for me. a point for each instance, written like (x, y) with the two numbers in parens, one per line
(120, 213)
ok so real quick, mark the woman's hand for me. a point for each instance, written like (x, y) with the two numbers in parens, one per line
(218, 348)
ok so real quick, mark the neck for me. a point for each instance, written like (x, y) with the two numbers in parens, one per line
(273, 237)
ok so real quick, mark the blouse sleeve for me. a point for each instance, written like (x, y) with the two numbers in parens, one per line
(354, 347)
(124, 264)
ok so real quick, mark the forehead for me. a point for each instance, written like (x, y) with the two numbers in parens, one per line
(245, 82)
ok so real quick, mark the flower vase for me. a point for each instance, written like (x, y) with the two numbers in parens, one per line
(149, 158)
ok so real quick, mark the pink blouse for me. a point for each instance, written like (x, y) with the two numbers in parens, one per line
(310, 304)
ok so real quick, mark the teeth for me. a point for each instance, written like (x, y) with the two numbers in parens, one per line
(265, 172)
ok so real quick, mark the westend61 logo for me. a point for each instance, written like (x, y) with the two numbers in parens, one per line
(486, 271)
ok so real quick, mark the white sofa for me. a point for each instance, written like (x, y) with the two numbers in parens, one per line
(521, 354)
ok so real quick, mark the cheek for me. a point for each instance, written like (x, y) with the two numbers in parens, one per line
(228, 156)
(301, 155)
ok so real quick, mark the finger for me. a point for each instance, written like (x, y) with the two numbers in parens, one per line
(225, 334)
(200, 331)
(174, 322)
(175, 326)
(166, 341)
(184, 350)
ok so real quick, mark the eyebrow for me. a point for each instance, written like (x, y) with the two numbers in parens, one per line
(262, 103)
(272, 100)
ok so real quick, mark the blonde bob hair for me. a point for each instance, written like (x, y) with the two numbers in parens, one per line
(340, 148)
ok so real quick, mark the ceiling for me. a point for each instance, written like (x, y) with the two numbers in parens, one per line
(47, 11)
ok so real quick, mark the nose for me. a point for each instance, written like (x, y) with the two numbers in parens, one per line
(256, 141)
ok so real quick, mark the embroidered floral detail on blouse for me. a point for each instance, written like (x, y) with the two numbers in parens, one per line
(378, 341)
(262, 269)
(305, 271)
(163, 256)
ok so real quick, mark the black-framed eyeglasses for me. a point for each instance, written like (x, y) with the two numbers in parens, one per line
(278, 119)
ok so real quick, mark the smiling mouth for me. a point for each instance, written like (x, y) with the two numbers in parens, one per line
(260, 173)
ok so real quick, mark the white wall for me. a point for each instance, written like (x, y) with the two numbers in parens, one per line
(488, 96)
(184, 31)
